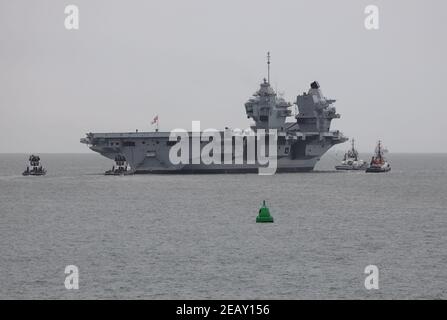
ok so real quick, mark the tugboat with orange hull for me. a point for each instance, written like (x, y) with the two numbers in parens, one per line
(378, 162)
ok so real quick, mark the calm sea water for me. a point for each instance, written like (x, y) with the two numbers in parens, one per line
(195, 236)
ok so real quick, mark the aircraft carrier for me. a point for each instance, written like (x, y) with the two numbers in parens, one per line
(300, 143)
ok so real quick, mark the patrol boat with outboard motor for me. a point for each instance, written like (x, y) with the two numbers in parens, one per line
(351, 160)
(34, 168)
(299, 145)
(378, 162)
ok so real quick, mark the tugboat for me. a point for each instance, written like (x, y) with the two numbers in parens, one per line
(34, 168)
(120, 167)
(378, 162)
(351, 160)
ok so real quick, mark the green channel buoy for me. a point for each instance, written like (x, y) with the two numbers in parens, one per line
(264, 214)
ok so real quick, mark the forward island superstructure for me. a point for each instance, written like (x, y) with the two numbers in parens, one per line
(300, 143)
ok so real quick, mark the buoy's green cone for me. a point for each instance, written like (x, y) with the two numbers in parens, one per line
(264, 214)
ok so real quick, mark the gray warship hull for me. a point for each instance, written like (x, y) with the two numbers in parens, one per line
(148, 152)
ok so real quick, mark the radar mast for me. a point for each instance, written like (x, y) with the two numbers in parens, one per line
(268, 67)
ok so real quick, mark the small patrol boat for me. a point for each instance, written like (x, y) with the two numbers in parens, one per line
(351, 160)
(378, 162)
(120, 168)
(34, 168)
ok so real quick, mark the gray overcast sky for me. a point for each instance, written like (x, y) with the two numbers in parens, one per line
(201, 60)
